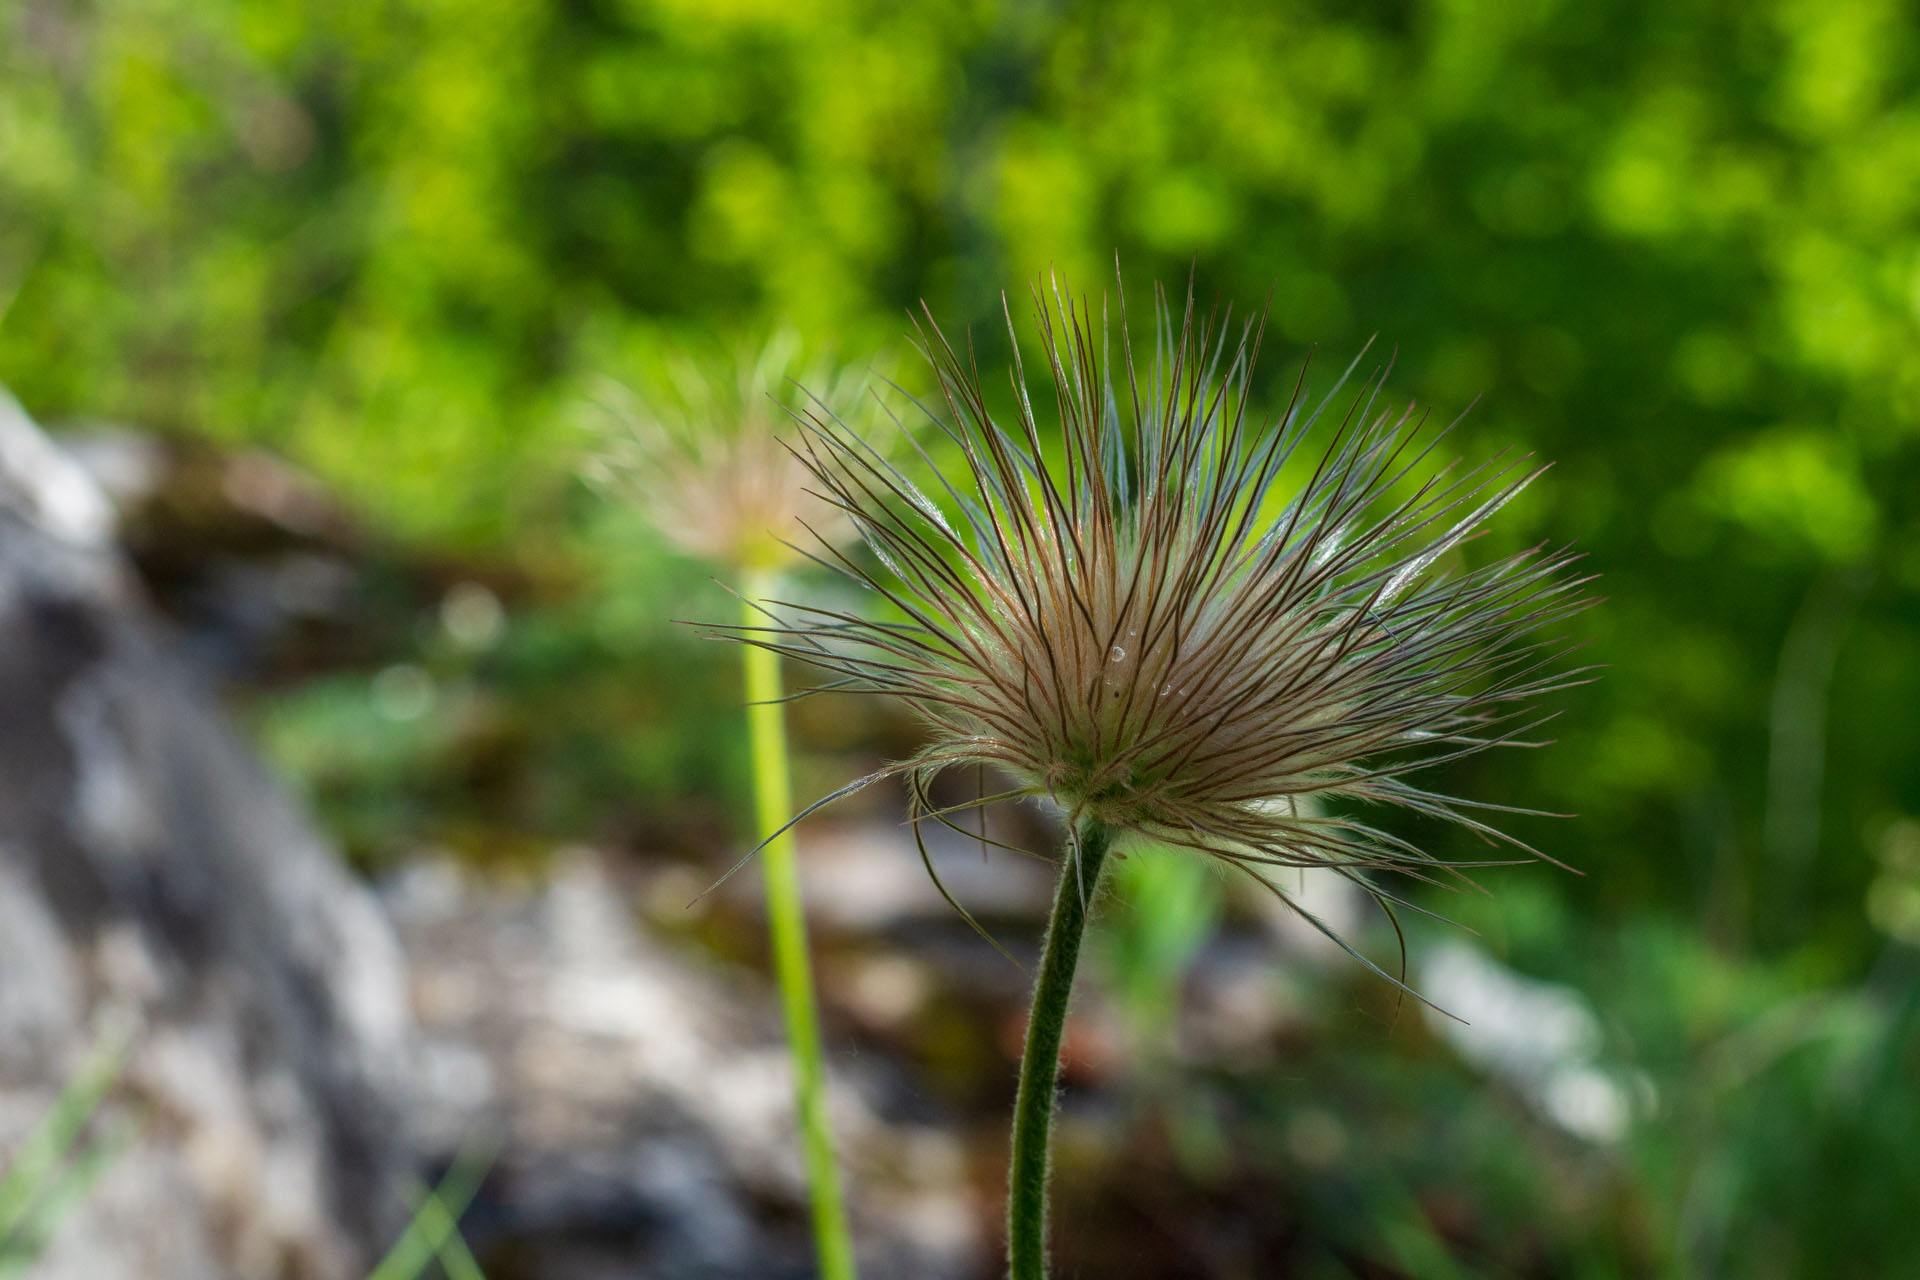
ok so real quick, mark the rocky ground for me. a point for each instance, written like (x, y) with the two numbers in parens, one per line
(641, 1106)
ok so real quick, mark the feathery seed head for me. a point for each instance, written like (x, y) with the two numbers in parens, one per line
(704, 447)
(1178, 618)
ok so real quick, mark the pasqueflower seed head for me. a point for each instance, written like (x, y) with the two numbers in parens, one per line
(703, 446)
(1176, 618)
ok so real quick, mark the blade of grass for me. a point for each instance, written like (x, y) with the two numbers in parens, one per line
(55, 1201)
(455, 1258)
(435, 1217)
(34, 1167)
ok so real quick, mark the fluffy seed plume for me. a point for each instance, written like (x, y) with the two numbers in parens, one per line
(1174, 617)
(704, 447)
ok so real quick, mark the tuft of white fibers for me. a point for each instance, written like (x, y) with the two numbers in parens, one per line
(1174, 617)
(703, 447)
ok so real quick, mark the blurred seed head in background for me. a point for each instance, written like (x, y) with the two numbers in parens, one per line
(703, 443)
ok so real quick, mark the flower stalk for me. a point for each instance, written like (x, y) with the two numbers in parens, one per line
(1080, 873)
(787, 930)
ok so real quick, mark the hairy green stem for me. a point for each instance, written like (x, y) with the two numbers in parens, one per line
(1040, 1063)
(787, 926)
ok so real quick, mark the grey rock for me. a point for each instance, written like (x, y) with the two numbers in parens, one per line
(153, 880)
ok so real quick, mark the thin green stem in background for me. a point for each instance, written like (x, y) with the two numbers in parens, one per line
(1040, 1063)
(773, 801)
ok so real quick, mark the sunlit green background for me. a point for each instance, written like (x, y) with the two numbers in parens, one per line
(1673, 247)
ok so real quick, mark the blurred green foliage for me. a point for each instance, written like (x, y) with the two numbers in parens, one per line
(1675, 246)
(1173, 903)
